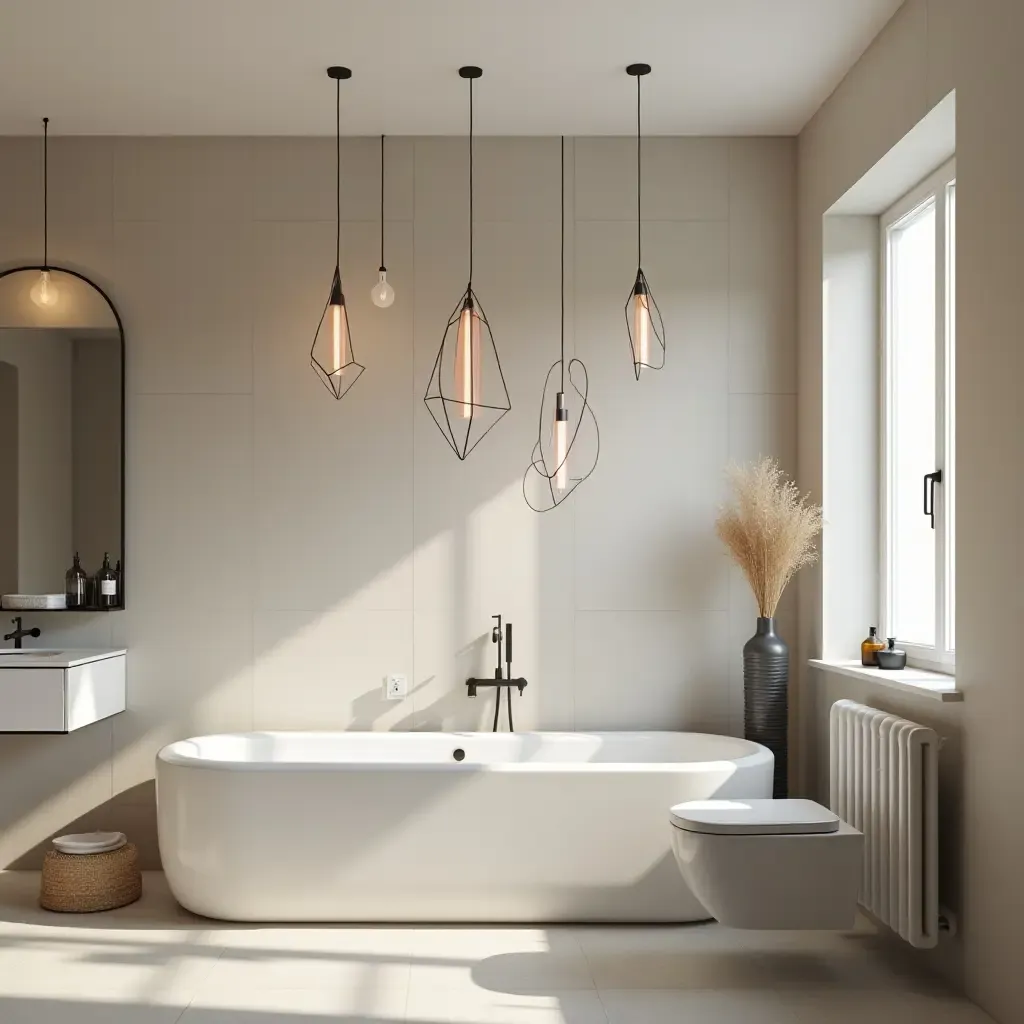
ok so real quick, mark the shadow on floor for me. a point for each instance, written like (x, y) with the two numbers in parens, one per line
(132, 811)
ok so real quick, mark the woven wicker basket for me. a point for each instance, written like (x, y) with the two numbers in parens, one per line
(84, 883)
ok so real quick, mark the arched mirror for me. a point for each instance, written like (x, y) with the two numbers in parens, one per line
(61, 441)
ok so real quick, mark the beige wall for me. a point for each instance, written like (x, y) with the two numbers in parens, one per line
(929, 48)
(285, 551)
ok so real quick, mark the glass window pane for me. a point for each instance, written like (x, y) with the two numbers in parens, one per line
(912, 425)
(949, 476)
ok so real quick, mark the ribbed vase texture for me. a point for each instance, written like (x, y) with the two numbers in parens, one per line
(766, 696)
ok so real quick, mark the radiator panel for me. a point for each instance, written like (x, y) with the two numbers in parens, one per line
(884, 782)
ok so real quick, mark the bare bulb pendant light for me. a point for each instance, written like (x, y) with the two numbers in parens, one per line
(382, 294)
(44, 292)
(332, 355)
(643, 318)
(466, 394)
(563, 456)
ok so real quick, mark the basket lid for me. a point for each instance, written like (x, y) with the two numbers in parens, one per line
(90, 842)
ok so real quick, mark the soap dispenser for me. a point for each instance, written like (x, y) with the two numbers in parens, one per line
(870, 648)
(892, 658)
(76, 586)
(106, 584)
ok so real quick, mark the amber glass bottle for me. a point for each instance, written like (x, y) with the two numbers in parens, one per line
(870, 648)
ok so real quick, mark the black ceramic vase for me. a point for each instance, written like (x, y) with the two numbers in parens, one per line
(766, 696)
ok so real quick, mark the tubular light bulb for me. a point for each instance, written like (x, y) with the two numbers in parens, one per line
(642, 329)
(560, 438)
(467, 360)
(382, 294)
(339, 337)
(44, 292)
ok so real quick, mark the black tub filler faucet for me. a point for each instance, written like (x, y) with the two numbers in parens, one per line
(500, 681)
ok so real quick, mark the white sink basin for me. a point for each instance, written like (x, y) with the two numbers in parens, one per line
(28, 653)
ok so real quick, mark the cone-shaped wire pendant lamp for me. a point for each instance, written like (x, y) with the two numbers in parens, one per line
(332, 355)
(567, 447)
(44, 292)
(643, 318)
(467, 394)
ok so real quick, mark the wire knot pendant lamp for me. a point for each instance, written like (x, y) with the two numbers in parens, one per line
(643, 318)
(44, 292)
(332, 355)
(467, 394)
(566, 453)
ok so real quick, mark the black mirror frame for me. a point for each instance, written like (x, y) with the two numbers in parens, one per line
(120, 329)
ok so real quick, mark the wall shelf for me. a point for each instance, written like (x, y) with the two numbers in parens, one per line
(62, 611)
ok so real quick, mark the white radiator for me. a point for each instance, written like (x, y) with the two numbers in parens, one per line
(884, 782)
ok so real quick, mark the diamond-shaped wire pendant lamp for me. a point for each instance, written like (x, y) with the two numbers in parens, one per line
(467, 394)
(568, 446)
(643, 318)
(332, 355)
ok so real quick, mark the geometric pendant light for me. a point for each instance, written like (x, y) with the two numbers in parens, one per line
(44, 292)
(466, 394)
(567, 447)
(643, 318)
(332, 355)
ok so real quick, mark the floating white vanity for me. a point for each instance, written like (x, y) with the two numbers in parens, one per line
(59, 691)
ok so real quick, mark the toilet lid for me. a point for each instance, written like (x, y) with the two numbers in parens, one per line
(754, 817)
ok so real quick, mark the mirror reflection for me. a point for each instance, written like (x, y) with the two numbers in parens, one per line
(61, 460)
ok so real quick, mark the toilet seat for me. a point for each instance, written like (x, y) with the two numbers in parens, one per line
(754, 817)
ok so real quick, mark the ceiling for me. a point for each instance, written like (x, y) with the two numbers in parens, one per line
(256, 67)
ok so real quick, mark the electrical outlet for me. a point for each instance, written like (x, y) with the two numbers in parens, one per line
(396, 687)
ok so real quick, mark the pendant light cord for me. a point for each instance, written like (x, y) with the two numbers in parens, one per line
(337, 172)
(471, 184)
(382, 267)
(46, 194)
(639, 261)
(562, 266)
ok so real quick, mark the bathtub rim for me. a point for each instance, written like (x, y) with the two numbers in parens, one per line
(170, 756)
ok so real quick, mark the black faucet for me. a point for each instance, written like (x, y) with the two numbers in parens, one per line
(19, 633)
(500, 682)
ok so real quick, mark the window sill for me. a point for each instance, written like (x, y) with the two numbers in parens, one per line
(916, 681)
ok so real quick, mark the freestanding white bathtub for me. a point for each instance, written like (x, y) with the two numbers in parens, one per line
(348, 826)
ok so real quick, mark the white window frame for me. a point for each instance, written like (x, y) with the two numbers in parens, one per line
(935, 188)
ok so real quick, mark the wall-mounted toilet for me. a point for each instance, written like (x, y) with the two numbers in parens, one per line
(769, 864)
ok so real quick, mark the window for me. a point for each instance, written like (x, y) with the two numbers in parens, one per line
(918, 428)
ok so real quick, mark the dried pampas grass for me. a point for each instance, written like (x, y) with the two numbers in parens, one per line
(769, 529)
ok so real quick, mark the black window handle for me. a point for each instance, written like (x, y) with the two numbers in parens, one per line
(930, 480)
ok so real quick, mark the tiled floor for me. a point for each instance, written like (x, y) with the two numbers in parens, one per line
(153, 963)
